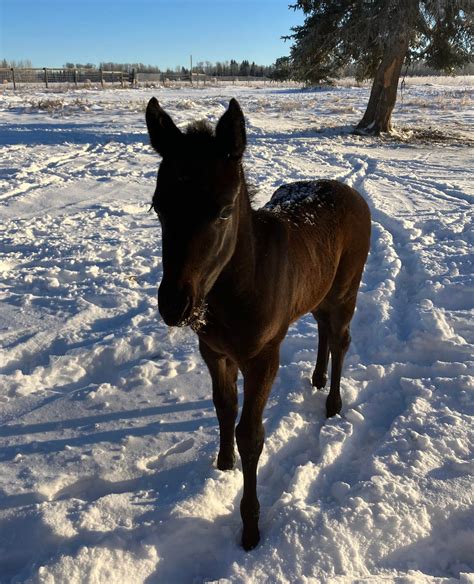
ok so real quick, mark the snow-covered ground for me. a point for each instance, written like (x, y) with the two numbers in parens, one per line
(108, 434)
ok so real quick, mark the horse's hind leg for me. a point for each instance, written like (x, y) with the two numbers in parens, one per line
(339, 341)
(224, 394)
(320, 374)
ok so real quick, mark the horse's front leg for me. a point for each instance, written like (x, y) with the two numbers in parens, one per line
(224, 394)
(339, 341)
(259, 374)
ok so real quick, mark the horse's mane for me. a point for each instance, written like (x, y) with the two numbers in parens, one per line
(200, 139)
(200, 127)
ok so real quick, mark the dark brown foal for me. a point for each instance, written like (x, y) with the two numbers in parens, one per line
(240, 277)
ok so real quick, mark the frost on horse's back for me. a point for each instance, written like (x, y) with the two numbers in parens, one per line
(294, 194)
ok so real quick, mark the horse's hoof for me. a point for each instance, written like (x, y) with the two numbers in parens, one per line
(319, 380)
(225, 462)
(333, 408)
(250, 539)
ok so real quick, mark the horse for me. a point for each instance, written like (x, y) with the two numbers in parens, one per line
(239, 276)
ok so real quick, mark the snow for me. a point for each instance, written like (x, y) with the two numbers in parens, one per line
(108, 435)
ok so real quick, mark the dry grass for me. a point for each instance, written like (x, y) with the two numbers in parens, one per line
(290, 105)
(49, 105)
(185, 104)
(429, 136)
(459, 99)
(54, 105)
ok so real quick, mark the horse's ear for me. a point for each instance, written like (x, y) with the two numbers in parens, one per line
(230, 131)
(164, 135)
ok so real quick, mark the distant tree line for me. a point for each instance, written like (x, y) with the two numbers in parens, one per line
(233, 68)
(230, 68)
(244, 68)
(23, 64)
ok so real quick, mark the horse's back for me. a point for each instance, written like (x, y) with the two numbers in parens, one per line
(299, 198)
(329, 236)
(326, 207)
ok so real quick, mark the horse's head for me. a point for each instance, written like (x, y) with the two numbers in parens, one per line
(196, 198)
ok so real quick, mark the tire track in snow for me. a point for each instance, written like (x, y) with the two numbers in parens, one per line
(343, 450)
(300, 432)
(56, 170)
(393, 239)
(44, 168)
(88, 298)
(409, 316)
(39, 349)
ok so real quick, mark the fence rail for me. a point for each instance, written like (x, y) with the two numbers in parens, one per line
(49, 76)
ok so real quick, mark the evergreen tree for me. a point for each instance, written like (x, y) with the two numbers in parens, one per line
(234, 67)
(378, 36)
(282, 70)
(244, 68)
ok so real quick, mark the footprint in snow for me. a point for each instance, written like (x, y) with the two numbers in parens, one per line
(154, 463)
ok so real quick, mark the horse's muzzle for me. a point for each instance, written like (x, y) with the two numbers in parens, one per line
(175, 305)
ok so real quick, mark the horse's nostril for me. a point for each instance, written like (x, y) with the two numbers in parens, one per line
(175, 306)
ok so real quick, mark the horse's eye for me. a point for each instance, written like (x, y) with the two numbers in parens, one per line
(225, 213)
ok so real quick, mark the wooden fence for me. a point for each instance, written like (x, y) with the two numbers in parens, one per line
(49, 77)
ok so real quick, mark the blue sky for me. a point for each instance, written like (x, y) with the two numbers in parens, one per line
(157, 32)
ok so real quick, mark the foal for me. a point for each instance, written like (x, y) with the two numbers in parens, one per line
(240, 277)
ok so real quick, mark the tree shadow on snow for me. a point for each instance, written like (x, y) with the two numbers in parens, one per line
(113, 436)
(62, 133)
(323, 131)
(83, 422)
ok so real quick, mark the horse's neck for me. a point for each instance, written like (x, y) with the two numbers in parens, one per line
(240, 271)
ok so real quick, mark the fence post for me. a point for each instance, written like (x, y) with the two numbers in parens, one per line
(121, 78)
(75, 77)
(45, 77)
(13, 78)
(101, 77)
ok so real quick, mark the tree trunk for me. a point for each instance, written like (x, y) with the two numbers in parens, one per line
(377, 117)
